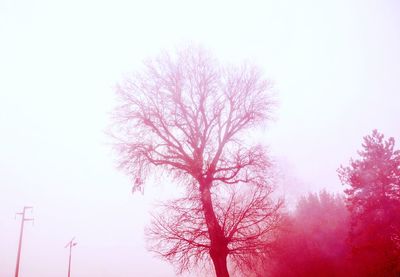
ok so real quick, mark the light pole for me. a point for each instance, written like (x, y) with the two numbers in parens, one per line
(21, 233)
(70, 244)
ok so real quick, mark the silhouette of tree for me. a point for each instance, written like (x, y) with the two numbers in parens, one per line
(248, 217)
(187, 115)
(314, 240)
(374, 204)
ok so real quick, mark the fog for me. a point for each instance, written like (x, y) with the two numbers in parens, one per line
(335, 68)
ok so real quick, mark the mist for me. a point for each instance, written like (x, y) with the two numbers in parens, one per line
(334, 68)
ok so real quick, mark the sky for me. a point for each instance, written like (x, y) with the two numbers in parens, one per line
(335, 66)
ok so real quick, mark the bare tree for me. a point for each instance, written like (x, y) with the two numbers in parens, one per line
(249, 218)
(188, 116)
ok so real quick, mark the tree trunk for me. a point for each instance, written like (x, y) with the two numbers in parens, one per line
(220, 264)
(218, 242)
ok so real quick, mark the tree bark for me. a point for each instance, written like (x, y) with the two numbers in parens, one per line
(218, 242)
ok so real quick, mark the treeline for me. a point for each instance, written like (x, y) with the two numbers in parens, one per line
(356, 233)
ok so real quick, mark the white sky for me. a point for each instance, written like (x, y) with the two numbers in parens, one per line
(336, 69)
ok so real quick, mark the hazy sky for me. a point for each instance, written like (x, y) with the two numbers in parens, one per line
(335, 66)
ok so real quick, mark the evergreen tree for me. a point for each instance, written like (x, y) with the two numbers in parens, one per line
(373, 200)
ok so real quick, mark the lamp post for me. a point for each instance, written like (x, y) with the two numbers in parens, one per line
(70, 244)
